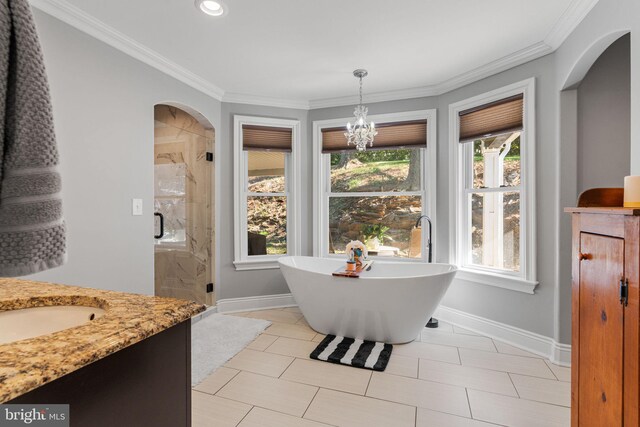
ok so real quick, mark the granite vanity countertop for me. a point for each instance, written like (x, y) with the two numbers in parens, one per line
(129, 318)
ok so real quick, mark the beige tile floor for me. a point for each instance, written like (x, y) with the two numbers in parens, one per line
(449, 377)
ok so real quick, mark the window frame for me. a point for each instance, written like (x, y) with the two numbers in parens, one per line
(525, 279)
(242, 261)
(322, 181)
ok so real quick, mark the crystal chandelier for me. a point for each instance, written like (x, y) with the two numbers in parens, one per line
(360, 133)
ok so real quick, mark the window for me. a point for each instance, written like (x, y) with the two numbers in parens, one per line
(266, 203)
(492, 186)
(266, 173)
(492, 154)
(376, 196)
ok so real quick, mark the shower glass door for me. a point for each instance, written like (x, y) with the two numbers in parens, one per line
(183, 206)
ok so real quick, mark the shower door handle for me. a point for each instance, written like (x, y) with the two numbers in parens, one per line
(159, 236)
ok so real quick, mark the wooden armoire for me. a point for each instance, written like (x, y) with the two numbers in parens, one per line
(605, 309)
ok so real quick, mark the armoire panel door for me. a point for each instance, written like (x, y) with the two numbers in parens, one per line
(601, 331)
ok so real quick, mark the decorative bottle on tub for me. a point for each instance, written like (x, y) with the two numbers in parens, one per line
(357, 252)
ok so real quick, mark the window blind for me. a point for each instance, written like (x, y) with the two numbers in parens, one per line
(502, 116)
(390, 135)
(266, 138)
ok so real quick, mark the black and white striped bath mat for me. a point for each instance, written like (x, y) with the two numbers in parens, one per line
(352, 352)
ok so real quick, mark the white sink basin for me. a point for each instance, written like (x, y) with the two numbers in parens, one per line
(16, 325)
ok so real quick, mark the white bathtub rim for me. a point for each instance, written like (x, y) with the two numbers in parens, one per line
(283, 261)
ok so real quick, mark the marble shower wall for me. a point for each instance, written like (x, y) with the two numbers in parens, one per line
(184, 195)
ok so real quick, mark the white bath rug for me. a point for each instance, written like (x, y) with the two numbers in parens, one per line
(217, 338)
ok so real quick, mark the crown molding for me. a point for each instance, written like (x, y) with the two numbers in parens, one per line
(512, 60)
(66, 12)
(568, 21)
(241, 98)
(517, 58)
(393, 95)
(77, 18)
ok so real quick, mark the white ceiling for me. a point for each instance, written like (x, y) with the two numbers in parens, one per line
(297, 52)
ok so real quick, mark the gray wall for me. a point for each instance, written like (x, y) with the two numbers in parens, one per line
(103, 109)
(103, 105)
(238, 284)
(604, 119)
(634, 16)
(605, 23)
(531, 312)
(548, 312)
(567, 188)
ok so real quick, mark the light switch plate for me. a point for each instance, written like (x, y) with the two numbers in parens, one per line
(136, 207)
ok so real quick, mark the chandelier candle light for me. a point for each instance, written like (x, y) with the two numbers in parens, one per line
(360, 133)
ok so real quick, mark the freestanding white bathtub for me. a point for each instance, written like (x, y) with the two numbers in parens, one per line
(391, 303)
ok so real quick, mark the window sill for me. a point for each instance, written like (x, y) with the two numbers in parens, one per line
(498, 280)
(259, 264)
(378, 258)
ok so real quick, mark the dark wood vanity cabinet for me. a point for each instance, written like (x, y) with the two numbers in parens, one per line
(145, 384)
(605, 308)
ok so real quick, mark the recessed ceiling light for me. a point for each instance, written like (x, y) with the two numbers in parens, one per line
(211, 7)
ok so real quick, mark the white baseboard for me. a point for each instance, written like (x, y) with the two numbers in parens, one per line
(541, 345)
(209, 311)
(230, 305)
(561, 354)
(538, 344)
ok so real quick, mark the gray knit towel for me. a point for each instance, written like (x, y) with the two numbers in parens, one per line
(32, 231)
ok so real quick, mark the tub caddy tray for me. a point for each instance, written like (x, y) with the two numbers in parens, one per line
(343, 272)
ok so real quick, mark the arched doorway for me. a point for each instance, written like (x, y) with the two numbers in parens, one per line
(183, 204)
(586, 113)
